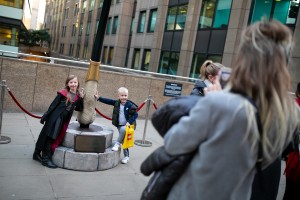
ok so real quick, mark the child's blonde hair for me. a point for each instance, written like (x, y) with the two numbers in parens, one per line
(122, 90)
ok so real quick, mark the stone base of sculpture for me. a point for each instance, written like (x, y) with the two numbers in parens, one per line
(65, 156)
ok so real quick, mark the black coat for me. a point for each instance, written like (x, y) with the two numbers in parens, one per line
(198, 88)
(58, 113)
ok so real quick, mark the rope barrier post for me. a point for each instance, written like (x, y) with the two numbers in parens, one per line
(144, 142)
(3, 139)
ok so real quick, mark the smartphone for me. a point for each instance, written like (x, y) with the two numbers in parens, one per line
(225, 75)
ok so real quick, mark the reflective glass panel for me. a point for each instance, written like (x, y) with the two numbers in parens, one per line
(222, 14)
(146, 61)
(136, 59)
(152, 20)
(170, 22)
(207, 13)
(164, 63)
(286, 11)
(142, 21)
(261, 9)
(181, 17)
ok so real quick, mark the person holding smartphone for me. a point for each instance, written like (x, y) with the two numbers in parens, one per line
(208, 74)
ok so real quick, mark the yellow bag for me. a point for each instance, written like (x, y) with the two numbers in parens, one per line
(129, 137)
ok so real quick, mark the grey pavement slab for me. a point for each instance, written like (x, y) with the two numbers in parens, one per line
(22, 178)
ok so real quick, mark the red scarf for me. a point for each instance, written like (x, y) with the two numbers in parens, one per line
(65, 92)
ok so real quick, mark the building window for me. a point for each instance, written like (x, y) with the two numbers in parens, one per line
(215, 14)
(152, 20)
(77, 51)
(76, 9)
(136, 59)
(9, 35)
(96, 27)
(11, 3)
(108, 26)
(92, 4)
(88, 28)
(73, 33)
(198, 60)
(170, 22)
(110, 55)
(66, 13)
(115, 25)
(168, 62)
(63, 33)
(100, 4)
(181, 17)
(104, 55)
(131, 25)
(84, 6)
(284, 11)
(127, 56)
(71, 50)
(146, 60)
(80, 29)
(61, 48)
(142, 21)
(85, 52)
(176, 17)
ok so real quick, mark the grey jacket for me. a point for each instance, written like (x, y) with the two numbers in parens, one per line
(224, 164)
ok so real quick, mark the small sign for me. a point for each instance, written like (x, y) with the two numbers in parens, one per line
(172, 89)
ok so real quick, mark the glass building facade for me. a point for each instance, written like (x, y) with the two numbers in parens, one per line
(171, 37)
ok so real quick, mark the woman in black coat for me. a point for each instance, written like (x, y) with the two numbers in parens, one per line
(56, 120)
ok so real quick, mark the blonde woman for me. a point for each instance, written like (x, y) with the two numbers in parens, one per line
(208, 74)
(227, 141)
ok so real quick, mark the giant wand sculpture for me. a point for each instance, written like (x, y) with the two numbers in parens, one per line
(87, 116)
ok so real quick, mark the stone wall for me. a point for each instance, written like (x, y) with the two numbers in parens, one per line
(34, 84)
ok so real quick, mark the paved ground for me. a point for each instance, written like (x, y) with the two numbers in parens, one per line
(21, 178)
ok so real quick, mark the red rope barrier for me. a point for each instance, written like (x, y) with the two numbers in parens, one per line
(102, 114)
(15, 100)
(140, 106)
(154, 105)
(38, 117)
(111, 118)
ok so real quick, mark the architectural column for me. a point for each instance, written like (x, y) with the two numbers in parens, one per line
(238, 21)
(189, 38)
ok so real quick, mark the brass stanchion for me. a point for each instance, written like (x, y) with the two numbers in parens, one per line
(3, 139)
(144, 142)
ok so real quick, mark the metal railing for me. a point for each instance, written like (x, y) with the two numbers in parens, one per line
(103, 66)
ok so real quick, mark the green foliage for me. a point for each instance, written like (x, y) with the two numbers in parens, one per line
(34, 37)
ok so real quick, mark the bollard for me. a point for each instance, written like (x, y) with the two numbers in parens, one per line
(3, 139)
(144, 142)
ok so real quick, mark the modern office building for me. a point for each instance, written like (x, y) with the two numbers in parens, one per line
(11, 22)
(164, 36)
(17, 16)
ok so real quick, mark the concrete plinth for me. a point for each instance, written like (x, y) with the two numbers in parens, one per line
(65, 156)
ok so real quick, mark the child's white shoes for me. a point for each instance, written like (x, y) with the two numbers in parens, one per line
(116, 147)
(125, 160)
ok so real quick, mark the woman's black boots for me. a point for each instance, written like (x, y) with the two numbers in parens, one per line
(46, 156)
(37, 155)
(47, 161)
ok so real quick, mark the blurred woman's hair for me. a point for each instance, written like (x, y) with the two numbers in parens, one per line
(209, 68)
(261, 72)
